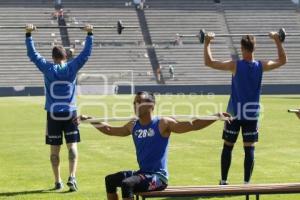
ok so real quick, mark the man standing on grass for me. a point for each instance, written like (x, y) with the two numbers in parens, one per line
(244, 100)
(151, 138)
(60, 87)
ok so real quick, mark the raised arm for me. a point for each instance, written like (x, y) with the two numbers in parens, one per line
(78, 62)
(33, 55)
(282, 58)
(228, 65)
(107, 129)
(169, 125)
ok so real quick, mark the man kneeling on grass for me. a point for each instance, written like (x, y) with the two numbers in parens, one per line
(151, 137)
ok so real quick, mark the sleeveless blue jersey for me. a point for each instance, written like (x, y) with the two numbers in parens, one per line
(151, 148)
(245, 90)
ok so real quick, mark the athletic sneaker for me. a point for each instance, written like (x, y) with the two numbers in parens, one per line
(72, 184)
(223, 182)
(58, 186)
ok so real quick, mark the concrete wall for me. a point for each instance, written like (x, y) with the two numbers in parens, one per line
(163, 89)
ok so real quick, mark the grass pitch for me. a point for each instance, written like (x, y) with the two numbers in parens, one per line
(25, 171)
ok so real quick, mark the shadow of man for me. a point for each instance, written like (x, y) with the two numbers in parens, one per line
(28, 192)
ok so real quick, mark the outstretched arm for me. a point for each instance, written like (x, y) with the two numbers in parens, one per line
(82, 58)
(169, 125)
(34, 56)
(298, 114)
(282, 58)
(107, 129)
(228, 65)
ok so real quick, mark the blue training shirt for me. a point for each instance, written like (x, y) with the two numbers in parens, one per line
(245, 90)
(60, 80)
(151, 148)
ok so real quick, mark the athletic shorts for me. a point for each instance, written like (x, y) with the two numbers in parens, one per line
(140, 182)
(249, 130)
(59, 123)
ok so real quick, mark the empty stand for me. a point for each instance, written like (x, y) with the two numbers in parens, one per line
(15, 69)
(261, 17)
(165, 19)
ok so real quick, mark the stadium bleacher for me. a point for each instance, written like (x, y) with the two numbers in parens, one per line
(166, 19)
(15, 69)
(126, 52)
(111, 51)
(270, 15)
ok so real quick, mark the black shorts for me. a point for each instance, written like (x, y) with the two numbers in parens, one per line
(249, 130)
(141, 182)
(59, 123)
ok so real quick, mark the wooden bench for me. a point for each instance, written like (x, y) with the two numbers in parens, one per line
(224, 190)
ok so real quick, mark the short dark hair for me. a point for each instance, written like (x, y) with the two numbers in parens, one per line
(149, 96)
(248, 43)
(58, 52)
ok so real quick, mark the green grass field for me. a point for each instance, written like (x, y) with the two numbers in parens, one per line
(25, 171)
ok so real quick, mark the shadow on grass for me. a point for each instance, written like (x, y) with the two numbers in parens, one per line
(46, 191)
(188, 198)
(281, 97)
(185, 198)
(199, 198)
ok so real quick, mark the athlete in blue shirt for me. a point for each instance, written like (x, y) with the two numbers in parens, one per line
(60, 87)
(244, 100)
(151, 138)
